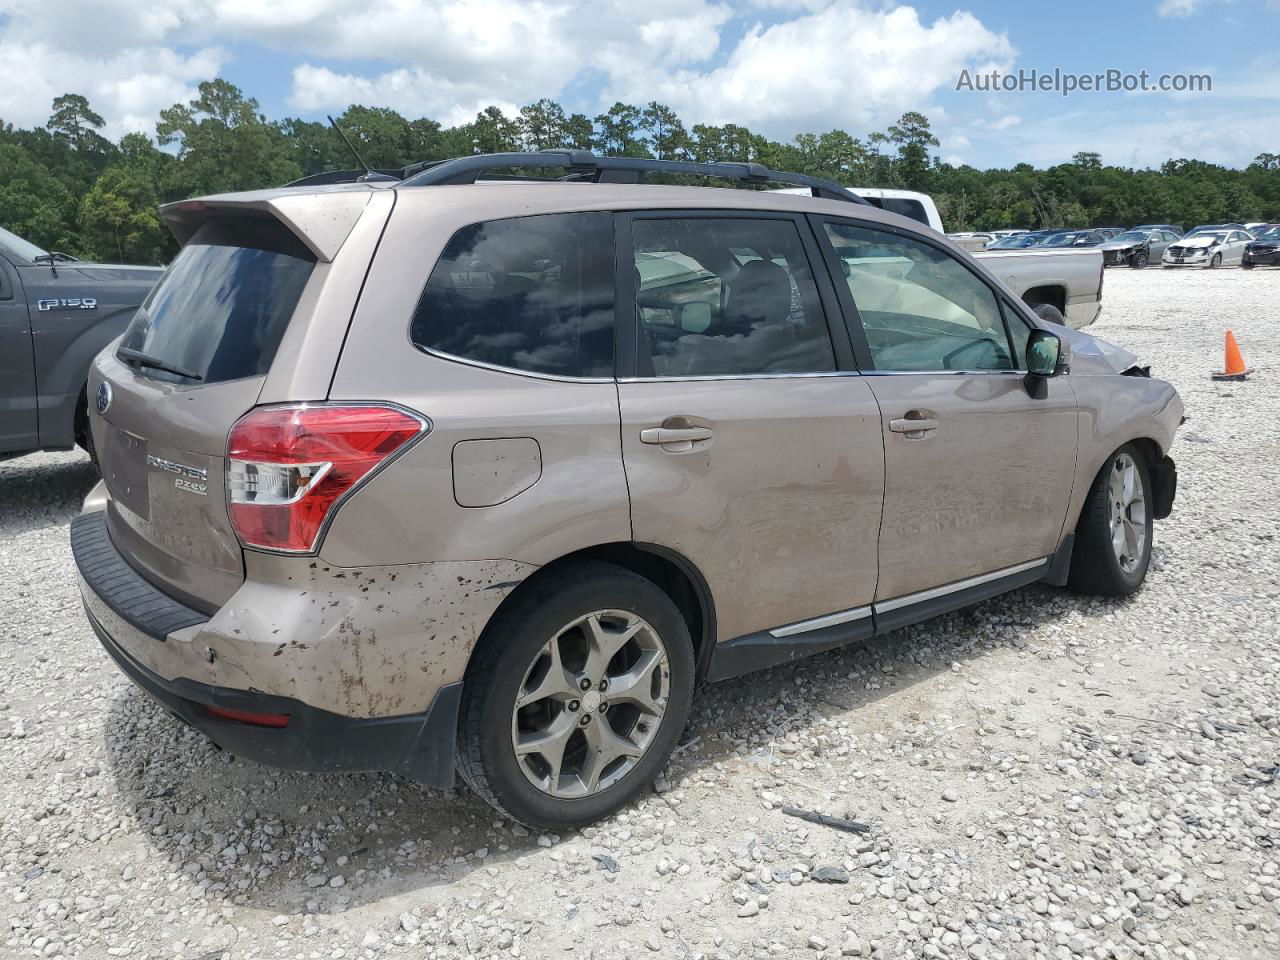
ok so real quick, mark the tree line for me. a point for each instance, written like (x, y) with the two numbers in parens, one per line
(66, 187)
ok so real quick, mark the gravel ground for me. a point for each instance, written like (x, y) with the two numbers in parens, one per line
(1044, 775)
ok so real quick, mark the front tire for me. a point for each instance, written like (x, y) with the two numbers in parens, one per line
(1215, 262)
(1246, 265)
(1113, 536)
(575, 697)
(1139, 260)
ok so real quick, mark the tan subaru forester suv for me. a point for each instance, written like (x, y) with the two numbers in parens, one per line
(482, 470)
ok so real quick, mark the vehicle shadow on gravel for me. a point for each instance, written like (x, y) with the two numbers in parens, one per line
(43, 490)
(230, 823)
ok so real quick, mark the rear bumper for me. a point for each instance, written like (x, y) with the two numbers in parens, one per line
(419, 747)
(365, 687)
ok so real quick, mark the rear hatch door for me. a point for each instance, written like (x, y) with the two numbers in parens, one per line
(192, 361)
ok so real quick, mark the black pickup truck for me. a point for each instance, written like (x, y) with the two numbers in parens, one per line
(56, 313)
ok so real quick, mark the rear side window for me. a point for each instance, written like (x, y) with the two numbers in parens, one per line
(726, 297)
(221, 308)
(532, 293)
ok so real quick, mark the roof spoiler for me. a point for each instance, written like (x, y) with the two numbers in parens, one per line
(322, 221)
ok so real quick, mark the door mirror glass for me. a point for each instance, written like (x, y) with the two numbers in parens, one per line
(1044, 350)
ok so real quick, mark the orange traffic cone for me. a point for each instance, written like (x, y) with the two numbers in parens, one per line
(1233, 368)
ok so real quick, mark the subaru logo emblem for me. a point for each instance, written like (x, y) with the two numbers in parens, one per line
(104, 397)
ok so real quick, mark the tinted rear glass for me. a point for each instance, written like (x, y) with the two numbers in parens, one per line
(530, 293)
(902, 206)
(221, 308)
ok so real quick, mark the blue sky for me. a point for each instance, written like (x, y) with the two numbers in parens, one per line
(777, 66)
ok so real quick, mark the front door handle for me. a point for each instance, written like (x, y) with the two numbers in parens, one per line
(665, 435)
(913, 428)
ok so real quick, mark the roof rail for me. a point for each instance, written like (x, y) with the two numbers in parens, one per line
(585, 165)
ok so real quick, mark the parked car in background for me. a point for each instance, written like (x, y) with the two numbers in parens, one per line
(56, 312)
(1171, 227)
(1110, 232)
(1076, 238)
(971, 241)
(1212, 228)
(369, 509)
(1263, 250)
(1020, 241)
(1257, 227)
(1207, 248)
(1136, 248)
(1000, 234)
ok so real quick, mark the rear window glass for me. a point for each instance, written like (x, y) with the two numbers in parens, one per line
(221, 308)
(530, 293)
(903, 206)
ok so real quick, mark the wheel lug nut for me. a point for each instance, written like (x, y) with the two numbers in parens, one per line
(584, 684)
(603, 685)
(573, 706)
(586, 718)
(604, 707)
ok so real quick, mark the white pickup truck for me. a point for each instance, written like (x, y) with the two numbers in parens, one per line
(1062, 285)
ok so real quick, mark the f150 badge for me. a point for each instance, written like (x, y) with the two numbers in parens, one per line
(68, 303)
(190, 479)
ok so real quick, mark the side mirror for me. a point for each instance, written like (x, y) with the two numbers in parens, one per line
(1044, 354)
(695, 317)
(1047, 356)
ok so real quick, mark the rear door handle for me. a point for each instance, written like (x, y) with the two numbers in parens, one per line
(913, 428)
(665, 435)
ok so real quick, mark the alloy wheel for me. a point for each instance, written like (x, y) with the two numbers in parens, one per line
(1128, 513)
(590, 704)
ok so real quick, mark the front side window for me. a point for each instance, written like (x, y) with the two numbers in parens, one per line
(726, 297)
(921, 309)
(531, 293)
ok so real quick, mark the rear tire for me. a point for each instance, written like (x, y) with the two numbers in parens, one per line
(601, 744)
(1047, 311)
(1113, 535)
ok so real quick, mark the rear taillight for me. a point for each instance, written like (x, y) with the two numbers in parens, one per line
(289, 466)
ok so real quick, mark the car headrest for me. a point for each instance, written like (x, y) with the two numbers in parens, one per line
(760, 293)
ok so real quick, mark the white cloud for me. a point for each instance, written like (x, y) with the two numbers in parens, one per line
(827, 63)
(1176, 9)
(842, 65)
(411, 91)
(1143, 139)
(129, 87)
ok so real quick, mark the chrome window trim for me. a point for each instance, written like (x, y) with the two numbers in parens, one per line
(818, 623)
(742, 376)
(498, 368)
(898, 603)
(945, 373)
